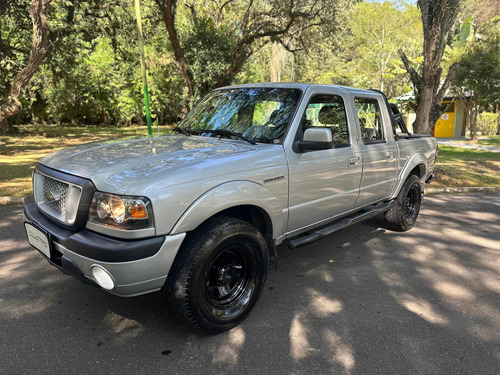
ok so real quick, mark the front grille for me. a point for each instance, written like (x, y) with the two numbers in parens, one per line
(57, 198)
(51, 186)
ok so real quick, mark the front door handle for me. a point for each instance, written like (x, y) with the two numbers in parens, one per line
(354, 161)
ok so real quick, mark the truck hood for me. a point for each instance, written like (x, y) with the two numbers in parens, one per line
(116, 165)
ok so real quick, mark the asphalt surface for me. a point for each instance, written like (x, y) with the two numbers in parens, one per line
(363, 301)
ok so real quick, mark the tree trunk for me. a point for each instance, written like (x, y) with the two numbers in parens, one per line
(438, 18)
(4, 126)
(12, 106)
(474, 112)
(169, 11)
(423, 112)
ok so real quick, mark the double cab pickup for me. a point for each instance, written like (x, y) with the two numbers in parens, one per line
(200, 212)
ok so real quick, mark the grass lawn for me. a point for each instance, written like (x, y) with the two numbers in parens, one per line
(492, 140)
(459, 167)
(19, 153)
(456, 167)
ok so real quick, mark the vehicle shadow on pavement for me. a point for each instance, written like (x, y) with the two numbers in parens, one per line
(365, 300)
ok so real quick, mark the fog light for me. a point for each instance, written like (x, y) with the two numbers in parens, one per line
(102, 277)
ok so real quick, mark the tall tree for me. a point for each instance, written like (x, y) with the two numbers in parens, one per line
(438, 21)
(477, 81)
(375, 41)
(38, 14)
(247, 25)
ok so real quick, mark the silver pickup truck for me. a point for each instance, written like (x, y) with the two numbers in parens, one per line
(200, 213)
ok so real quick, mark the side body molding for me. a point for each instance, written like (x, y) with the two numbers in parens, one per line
(416, 159)
(228, 195)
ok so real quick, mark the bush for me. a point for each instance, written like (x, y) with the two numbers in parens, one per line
(488, 123)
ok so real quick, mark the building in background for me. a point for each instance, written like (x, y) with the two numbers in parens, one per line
(451, 124)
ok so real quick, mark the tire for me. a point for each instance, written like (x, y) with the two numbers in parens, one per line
(218, 275)
(402, 216)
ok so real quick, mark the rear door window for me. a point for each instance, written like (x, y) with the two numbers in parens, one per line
(370, 120)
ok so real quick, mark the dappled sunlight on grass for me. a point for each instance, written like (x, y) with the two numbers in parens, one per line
(19, 153)
(18, 187)
(460, 167)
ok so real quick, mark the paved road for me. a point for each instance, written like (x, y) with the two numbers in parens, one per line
(365, 301)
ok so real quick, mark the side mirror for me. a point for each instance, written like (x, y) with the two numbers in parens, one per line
(316, 139)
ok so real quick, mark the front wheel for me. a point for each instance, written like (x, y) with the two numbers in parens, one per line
(404, 213)
(218, 275)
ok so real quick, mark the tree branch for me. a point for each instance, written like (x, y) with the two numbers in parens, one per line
(447, 82)
(221, 9)
(38, 12)
(415, 78)
(169, 11)
(192, 9)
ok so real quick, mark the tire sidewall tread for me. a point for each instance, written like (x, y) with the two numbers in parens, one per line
(395, 217)
(190, 266)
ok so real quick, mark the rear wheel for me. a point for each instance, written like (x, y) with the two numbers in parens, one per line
(404, 213)
(218, 275)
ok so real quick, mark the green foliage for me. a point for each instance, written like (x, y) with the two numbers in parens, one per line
(479, 69)
(91, 74)
(209, 51)
(488, 123)
(15, 40)
(378, 31)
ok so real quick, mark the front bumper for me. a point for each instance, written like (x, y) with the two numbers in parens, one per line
(136, 266)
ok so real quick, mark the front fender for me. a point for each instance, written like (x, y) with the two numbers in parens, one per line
(228, 195)
(416, 160)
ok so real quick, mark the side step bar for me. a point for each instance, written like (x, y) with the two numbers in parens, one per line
(364, 214)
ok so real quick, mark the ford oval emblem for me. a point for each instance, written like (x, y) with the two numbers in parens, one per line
(52, 195)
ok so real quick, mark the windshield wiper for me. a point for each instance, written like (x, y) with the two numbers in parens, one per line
(181, 130)
(227, 133)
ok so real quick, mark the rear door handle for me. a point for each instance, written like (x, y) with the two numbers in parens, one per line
(354, 161)
(390, 155)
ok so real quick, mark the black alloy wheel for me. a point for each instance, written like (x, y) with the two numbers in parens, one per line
(412, 203)
(228, 277)
(218, 274)
(403, 215)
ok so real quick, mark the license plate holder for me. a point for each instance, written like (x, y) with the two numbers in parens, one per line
(39, 239)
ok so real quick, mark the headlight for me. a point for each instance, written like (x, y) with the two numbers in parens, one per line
(122, 212)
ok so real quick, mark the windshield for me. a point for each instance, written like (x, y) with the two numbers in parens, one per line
(260, 114)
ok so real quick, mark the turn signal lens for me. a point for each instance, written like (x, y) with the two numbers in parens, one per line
(138, 211)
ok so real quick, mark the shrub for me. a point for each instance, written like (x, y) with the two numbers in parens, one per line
(488, 123)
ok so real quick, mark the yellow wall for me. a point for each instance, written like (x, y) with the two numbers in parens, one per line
(445, 126)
